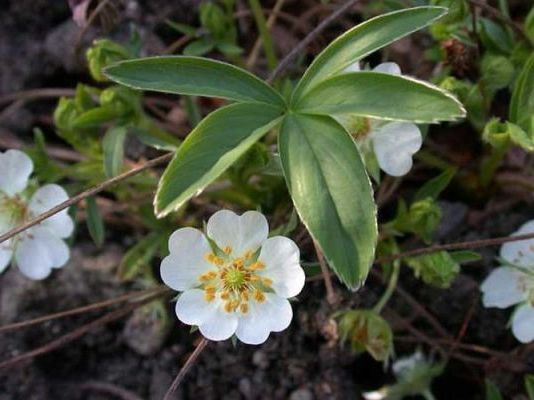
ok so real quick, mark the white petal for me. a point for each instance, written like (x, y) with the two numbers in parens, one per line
(521, 252)
(57, 249)
(503, 288)
(192, 309)
(354, 67)
(16, 170)
(273, 315)
(388, 68)
(33, 258)
(6, 252)
(241, 233)
(46, 198)
(523, 323)
(181, 269)
(281, 257)
(394, 144)
(220, 325)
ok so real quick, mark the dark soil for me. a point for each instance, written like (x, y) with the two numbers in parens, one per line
(303, 363)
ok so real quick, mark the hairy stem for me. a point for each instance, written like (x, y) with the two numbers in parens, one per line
(83, 195)
(392, 285)
(185, 369)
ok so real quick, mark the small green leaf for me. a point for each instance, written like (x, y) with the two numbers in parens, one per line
(152, 135)
(182, 28)
(366, 330)
(113, 147)
(215, 144)
(364, 39)
(436, 185)
(95, 224)
(193, 76)
(199, 47)
(382, 96)
(437, 269)
(522, 103)
(465, 256)
(138, 257)
(332, 193)
(95, 117)
(492, 391)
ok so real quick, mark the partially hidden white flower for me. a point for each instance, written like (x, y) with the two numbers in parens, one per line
(414, 375)
(37, 250)
(236, 280)
(393, 142)
(513, 284)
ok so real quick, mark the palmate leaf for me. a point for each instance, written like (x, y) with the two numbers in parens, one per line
(383, 96)
(362, 40)
(332, 193)
(215, 144)
(193, 76)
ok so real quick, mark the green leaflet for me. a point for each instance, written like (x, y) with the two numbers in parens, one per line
(522, 103)
(382, 96)
(364, 39)
(193, 76)
(113, 147)
(215, 144)
(331, 191)
(95, 223)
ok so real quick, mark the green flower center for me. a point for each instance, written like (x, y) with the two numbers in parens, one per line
(235, 278)
(13, 211)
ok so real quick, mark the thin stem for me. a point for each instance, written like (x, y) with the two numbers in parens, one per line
(308, 39)
(32, 94)
(330, 294)
(473, 244)
(77, 333)
(83, 195)
(185, 369)
(392, 285)
(270, 23)
(265, 35)
(82, 310)
(108, 388)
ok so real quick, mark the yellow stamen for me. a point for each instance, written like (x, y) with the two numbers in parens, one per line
(213, 259)
(238, 263)
(228, 306)
(210, 288)
(227, 250)
(209, 296)
(259, 296)
(244, 296)
(225, 295)
(257, 265)
(244, 308)
(248, 254)
(207, 276)
(267, 281)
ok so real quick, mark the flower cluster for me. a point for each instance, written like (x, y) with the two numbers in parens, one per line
(513, 284)
(37, 250)
(393, 143)
(236, 280)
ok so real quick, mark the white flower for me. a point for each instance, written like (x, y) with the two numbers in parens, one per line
(393, 142)
(37, 250)
(514, 284)
(235, 281)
